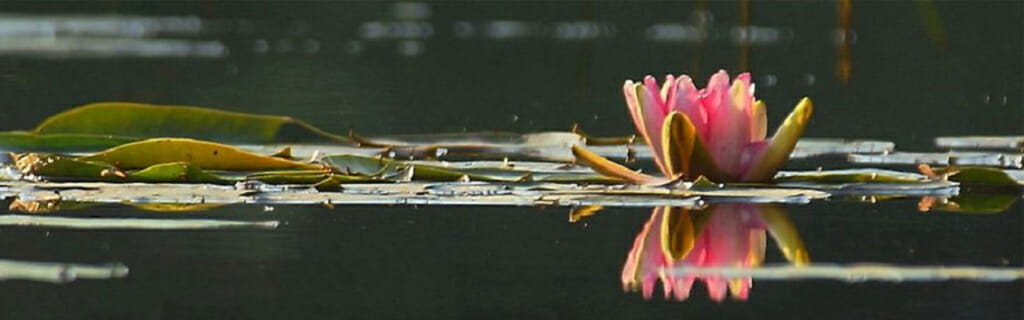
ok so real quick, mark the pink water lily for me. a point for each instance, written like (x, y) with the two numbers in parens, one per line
(730, 123)
(733, 235)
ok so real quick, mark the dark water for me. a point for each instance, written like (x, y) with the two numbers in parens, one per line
(917, 70)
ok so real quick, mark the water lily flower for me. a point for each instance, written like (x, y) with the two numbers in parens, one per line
(718, 132)
(728, 235)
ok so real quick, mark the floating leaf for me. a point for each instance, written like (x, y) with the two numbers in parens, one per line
(20, 141)
(602, 141)
(394, 170)
(150, 121)
(867, 182)
(175, 172)
(290, 176)
(980, 176)
(982, 142)
(54, 166)
(206, 155)
(472, 139)
(1005, 160)
(850, 175)
(812, 147)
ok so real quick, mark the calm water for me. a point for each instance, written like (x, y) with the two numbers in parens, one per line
(915, 71)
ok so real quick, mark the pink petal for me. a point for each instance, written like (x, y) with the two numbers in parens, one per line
(629, 92)
(687, 101)
(751, 154)
(717, 288)
(728, 130)
(682, 287)
(646, 257)
(653, 109)
(666, 89)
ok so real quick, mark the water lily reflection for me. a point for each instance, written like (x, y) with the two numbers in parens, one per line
(726, 235)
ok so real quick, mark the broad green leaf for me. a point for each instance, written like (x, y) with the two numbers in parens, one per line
(20, 141)
(782, 143)
(290, 176)
(149, 121)
(206, 155)
(334, 181)
(980, 176)
(182, 172)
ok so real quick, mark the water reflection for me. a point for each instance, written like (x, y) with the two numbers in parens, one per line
(725, 235)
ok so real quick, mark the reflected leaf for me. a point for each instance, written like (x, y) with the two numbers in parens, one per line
(177, 207)
(581, 212)
(970, 203)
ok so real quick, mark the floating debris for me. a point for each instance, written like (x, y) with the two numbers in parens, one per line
(55, 272)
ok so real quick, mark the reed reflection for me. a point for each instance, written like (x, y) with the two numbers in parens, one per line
(724, 235)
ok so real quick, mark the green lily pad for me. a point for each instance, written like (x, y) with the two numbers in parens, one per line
(980, 176)
(21, 141)
(148, 121)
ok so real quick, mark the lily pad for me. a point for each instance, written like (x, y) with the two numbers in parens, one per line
(140, 120)
(982, 142)
(206, 155)
(1003, 160)
(20, 141)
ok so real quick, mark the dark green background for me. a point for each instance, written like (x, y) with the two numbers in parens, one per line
(467, 262)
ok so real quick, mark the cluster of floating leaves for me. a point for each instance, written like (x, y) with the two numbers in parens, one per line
(140, 143)
(179, 158)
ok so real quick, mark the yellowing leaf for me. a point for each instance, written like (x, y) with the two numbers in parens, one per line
(206, 155)
(610, 168)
